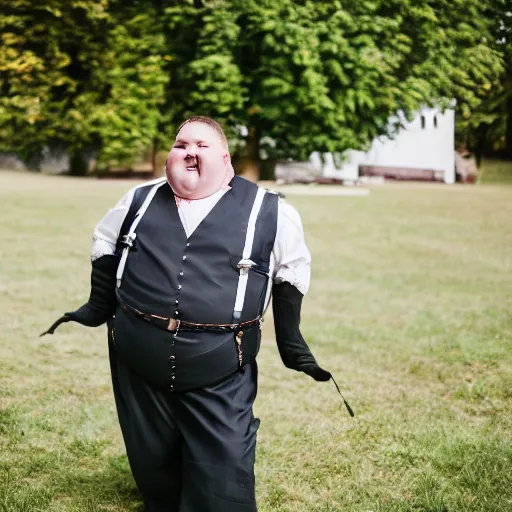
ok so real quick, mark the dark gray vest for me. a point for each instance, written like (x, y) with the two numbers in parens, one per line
(195, 279)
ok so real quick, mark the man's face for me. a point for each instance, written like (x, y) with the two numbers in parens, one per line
(198, 163)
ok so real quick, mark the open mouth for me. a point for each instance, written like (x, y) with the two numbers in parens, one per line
(193, 167)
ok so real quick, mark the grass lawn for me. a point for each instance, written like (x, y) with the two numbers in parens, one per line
(495, 172)
(409, 307)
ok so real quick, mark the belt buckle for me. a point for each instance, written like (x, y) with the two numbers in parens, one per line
(174, 324)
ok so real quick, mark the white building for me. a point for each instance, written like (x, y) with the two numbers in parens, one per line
(426, 144)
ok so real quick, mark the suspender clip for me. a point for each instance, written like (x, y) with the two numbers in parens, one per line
(129, 239)
(244, 266)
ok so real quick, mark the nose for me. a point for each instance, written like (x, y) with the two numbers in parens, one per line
(190, 154)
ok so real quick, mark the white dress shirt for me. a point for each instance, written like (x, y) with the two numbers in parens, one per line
(290, 259)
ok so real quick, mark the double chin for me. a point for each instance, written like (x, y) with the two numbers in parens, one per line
(189, 186)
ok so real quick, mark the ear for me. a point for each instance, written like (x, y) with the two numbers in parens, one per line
(227, 159)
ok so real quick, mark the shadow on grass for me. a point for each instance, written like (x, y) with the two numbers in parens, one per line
(37, 471)
(77, 488)
(112, 486)
(76, 477)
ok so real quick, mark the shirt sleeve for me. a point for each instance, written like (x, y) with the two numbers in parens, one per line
(290, 258)
(106, 233)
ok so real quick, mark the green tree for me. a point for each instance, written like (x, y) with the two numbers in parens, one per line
(127, 122)
(84, 75)
(286, 78)
(488, 127)
(323, 75)
(50, 62)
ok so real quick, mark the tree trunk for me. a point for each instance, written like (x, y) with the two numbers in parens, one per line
(481, 143)
(249, 165)
(78, 165)
(268, 169)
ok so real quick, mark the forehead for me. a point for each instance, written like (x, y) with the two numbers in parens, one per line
(198, 132)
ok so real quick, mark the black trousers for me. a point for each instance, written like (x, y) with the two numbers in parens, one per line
(189, 451)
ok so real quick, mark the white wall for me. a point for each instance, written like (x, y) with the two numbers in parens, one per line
(415, 147)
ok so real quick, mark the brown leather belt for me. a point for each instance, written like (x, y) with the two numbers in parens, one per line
(174, 325)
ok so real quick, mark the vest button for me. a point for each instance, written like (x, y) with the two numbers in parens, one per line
(179, 287)
(181, 273)
(188, 244)
(176, 312)
(172, 357)
(176, 301)
(184, 258)
(173, 377)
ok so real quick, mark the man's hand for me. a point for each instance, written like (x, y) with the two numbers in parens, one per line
(319, 374)
(101, 305)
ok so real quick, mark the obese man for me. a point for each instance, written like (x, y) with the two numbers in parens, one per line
(182, 271)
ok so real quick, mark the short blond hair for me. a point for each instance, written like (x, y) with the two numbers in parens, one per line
(209, 122)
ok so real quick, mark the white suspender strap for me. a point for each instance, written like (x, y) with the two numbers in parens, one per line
(130, 237)
(246, 263)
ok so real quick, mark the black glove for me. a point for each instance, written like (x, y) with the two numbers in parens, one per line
(102, 301)
(294, 351)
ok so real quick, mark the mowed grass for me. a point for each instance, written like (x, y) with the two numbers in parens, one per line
(495, 172)
(409, 307)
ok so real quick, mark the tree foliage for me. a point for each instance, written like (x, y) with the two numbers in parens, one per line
(127, 122)
(285, 78)
(488, 126)
(327, 76)
(51, 59)
(83, 75)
